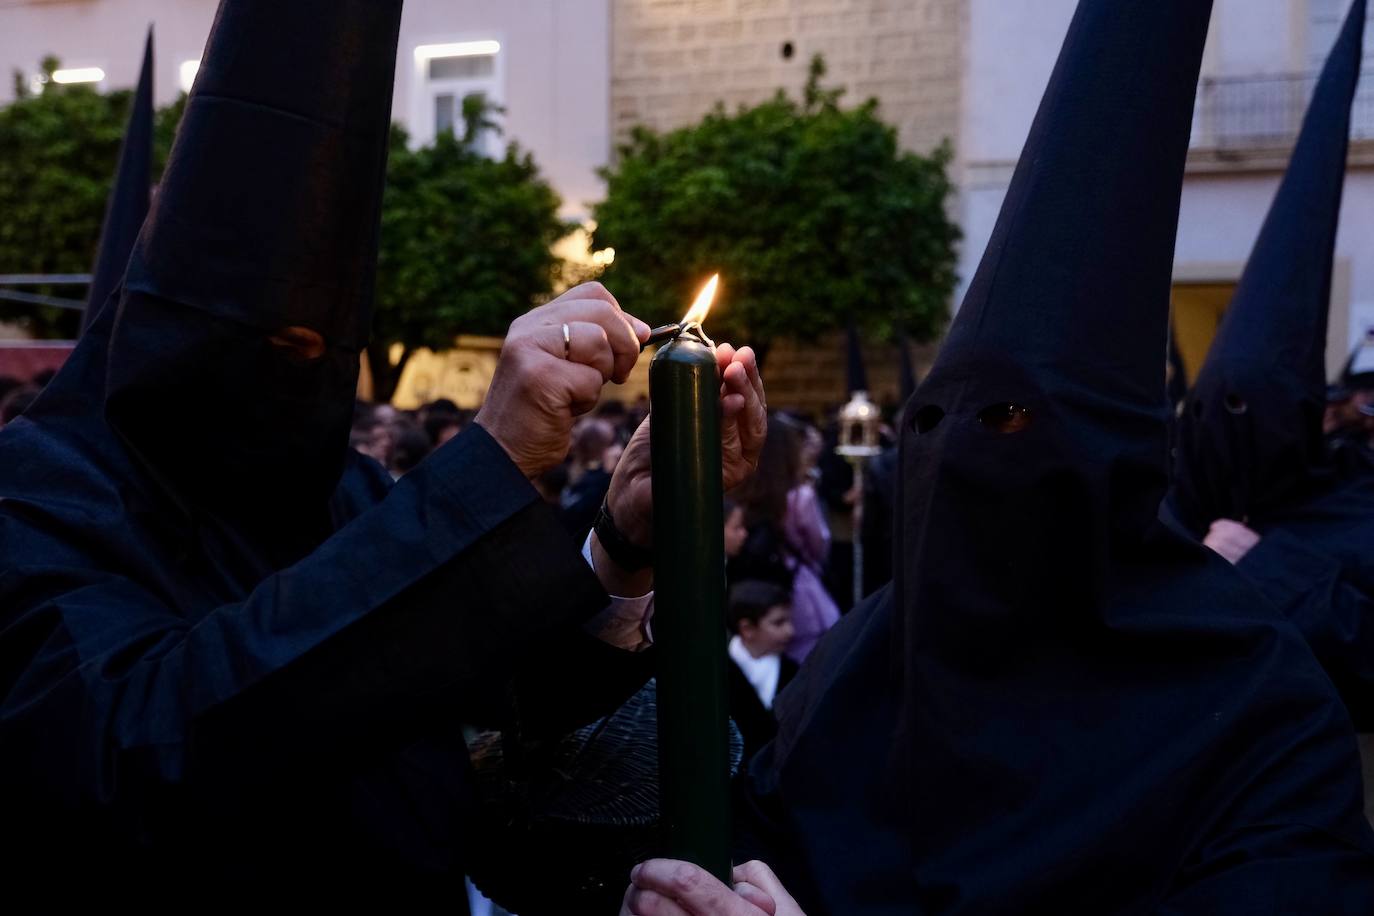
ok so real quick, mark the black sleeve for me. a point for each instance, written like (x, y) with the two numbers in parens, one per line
(419, 607)
(1275, 870)
(1330, 607)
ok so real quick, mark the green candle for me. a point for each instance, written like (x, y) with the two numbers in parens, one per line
(689, 612)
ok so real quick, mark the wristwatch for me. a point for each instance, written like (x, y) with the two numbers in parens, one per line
(628, 556)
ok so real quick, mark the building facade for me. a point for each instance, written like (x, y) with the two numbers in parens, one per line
(673, 60)
(576, 75)
(547, 62)
(1259, 70)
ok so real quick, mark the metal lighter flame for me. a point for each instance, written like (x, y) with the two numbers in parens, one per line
(691, 322)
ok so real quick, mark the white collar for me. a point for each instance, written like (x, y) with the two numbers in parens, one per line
(761, 673)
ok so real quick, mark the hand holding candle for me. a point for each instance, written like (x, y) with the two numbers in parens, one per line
(744, 413)
(744, 425)
(687, 387)
(707, 424)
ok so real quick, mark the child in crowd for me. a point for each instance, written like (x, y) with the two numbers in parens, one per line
(760, 616)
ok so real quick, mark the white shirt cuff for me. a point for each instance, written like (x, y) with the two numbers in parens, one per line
(625, 622)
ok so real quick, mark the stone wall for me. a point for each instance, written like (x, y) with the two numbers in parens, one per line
(811, 377)
(672, 60)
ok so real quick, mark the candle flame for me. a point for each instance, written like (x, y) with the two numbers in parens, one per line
(697, 313)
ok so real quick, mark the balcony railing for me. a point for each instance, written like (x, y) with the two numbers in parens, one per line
(1264, 112)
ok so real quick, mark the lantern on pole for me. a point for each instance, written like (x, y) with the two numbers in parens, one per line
(860, 423)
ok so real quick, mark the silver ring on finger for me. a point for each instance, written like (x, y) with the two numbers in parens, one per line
(567, 341)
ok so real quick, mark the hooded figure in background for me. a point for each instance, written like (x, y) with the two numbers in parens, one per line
(1256, 477)
(203, 670)
(1349, 419)
(1061, 705)
(1358, 372)
(128, 204)
(1251, 440)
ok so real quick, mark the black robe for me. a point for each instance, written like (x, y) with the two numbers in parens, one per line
(1164, 806)
(1315, 562)
(1060, 705)
(168, 706)
(209, 669)
(1251, 447)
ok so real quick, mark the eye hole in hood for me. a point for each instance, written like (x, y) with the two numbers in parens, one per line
(1006, 418)
(927, 418)
(301, 342)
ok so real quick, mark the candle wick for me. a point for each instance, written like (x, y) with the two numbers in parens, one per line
(695, 329)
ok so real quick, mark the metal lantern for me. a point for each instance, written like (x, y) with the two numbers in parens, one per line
(860, 423)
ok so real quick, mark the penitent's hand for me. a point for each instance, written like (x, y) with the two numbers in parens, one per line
(744, 413)
(757, 875)
(542, 382)
(665, 887)
(744, 424)
(1231, 539)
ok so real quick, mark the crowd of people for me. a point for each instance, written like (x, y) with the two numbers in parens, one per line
(783, 514)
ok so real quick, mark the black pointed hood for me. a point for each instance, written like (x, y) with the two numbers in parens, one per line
(1046, 404)
(1251, 436)
(1034, 451)
(856, 376)
(267, 218)
(1061, 706)
(128, 203)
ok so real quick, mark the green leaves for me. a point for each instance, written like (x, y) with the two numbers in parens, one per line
(811, 213)
(465, 245)
(58, 150)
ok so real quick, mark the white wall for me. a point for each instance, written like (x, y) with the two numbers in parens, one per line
(556, 63)
(1257, 37)
(1013, 45)
(1221, 218)
(557, 78)
(1012, 48)
(107, 34)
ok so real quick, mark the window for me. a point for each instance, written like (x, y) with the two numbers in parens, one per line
(475, 67)
(445, 75)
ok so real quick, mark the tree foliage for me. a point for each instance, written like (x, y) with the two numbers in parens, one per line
(466, 243)
(810, 211)
(58, 149)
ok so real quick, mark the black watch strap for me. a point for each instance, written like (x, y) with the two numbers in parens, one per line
(629, 557)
